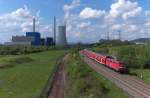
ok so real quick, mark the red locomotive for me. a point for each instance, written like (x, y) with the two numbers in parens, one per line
(105, 60)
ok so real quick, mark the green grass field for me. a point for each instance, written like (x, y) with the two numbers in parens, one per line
(145, 74)
(27, 80)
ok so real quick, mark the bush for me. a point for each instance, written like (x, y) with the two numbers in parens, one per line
(21, 60)
(13, 61)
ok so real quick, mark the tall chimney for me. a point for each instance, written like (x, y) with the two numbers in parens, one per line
(54, 29)
(33, 24)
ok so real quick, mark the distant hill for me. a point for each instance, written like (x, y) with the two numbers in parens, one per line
(141, 40)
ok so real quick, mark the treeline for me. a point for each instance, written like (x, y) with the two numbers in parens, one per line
(17, 50)
(107, 43)
(137, 56)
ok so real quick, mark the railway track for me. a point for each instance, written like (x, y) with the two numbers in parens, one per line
(57, 90)
(133, 86)
(58, 85)
(135, 79)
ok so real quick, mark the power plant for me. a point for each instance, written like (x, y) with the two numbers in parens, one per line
(34, 37)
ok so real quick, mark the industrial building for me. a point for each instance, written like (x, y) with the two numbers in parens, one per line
(61, 36)
(49, 41)
(36, 38)
(20, 40)
(31, 38)
(43, 41)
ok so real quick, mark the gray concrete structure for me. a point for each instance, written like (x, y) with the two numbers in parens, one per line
(21, 39)
(61, 36)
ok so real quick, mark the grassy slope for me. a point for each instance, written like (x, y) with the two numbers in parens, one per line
(89, 83)
(27, 80)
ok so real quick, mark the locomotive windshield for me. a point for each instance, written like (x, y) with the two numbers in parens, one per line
(110, 57)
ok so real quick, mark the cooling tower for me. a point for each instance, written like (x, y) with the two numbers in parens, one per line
(61, 36)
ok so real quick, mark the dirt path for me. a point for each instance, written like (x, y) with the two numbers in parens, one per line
(57, 90)
(131, 85)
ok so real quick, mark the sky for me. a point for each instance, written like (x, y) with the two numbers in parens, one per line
(87, 21)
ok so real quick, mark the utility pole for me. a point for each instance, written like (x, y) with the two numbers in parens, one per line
(119, 35)
(108, 36)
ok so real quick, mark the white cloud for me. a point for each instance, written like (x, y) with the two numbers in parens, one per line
(68, 7)
(124, 9)
(74, 4)
(87, 13)
(84, 25)
(133, 13)
(116, 27)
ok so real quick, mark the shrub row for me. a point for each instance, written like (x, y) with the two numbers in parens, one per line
(17, 50)
(134, 56)
(13, 61)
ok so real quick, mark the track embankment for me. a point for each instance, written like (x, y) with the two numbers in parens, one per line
(134, 87)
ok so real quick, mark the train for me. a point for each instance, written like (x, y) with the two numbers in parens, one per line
(106, 60)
